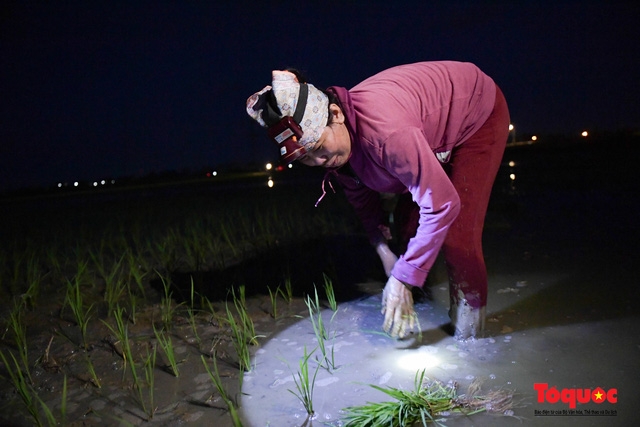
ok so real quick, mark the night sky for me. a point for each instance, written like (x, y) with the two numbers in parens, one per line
(110, 89)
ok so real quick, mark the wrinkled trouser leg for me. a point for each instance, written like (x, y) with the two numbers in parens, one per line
(472, 168)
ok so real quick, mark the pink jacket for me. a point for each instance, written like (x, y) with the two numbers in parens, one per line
(403, 122)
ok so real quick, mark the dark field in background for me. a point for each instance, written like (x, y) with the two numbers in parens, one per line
(580, 191)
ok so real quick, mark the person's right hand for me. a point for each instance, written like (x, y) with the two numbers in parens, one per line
(397, 307)
(387, 257)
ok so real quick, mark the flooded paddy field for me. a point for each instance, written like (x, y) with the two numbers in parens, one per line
(560, 245)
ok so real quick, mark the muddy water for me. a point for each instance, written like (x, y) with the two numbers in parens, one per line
(561, 250)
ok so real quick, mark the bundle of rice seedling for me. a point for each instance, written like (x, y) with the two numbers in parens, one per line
(429, 402)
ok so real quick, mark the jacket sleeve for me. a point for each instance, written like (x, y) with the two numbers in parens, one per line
(367, 205)
(407, 155)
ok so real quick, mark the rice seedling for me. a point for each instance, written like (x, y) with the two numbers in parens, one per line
(287, 293)
(329, 292)
(228, 238)
(266, 222)
(167, 307)
(63, 403)
(424, 404)
(33, 278)
(240, 338)
(273, 295)
(121, 331)
(243, 331)
(81, 315)
(195, 244)
(95, 379)
(242, 299)
(246, 323)
(18, 326)
(315, 314)
(115, 285)
(114, 291)
(321, 332)
(53, 261)
(304, 383)
(166, 250)
(137, 272)
(133, 305)
(167, 346)
(27, 394)
(217, 381)
(191, 315)
(149, 364)
(206, 302)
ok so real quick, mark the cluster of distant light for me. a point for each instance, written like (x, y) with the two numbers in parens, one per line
(75, 184)
(93, 184)
(278, 168)
(512, 129)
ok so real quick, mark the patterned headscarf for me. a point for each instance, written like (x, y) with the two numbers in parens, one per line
(285, 91)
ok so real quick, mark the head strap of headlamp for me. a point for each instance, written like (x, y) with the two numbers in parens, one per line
(272, 114)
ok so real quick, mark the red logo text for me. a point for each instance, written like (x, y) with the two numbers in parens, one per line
(571, 396)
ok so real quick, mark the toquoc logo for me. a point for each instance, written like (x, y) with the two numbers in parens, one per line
(571, 396)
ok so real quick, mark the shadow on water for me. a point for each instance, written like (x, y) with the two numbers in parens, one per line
(345, 260)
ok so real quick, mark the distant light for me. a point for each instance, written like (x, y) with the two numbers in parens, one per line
(270, 183)
(103, 182)
(534, 138)
(511, 127)
(75, 184)
(269, 166)
(584, 133)
(417, 360)
(113, 181)
(214, 173)
(290, 165)
(512, 163)
(95, 183)
(59, 185)
(512, 176)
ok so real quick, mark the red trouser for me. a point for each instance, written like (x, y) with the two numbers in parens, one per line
(472, 169)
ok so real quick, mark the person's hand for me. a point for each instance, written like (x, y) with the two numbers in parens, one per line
(397, 307)
(387, 257)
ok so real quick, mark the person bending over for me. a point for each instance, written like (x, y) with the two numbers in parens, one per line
(433, 132)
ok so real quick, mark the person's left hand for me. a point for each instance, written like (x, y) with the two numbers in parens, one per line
(397, 307)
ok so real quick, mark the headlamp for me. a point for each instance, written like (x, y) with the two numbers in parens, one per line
(287, 133)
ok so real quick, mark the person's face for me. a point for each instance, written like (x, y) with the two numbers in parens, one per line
(334, 146)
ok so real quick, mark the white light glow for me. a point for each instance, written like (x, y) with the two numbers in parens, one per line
(585, 133)
(510, 127)
(214, 173)
(512, 163)
(512, 176)
(290, 165)
(534, 138)
(270, 183)
(269, 166)
(75, 184)
(417, 360)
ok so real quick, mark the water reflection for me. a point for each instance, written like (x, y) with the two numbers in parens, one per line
(512, 177)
